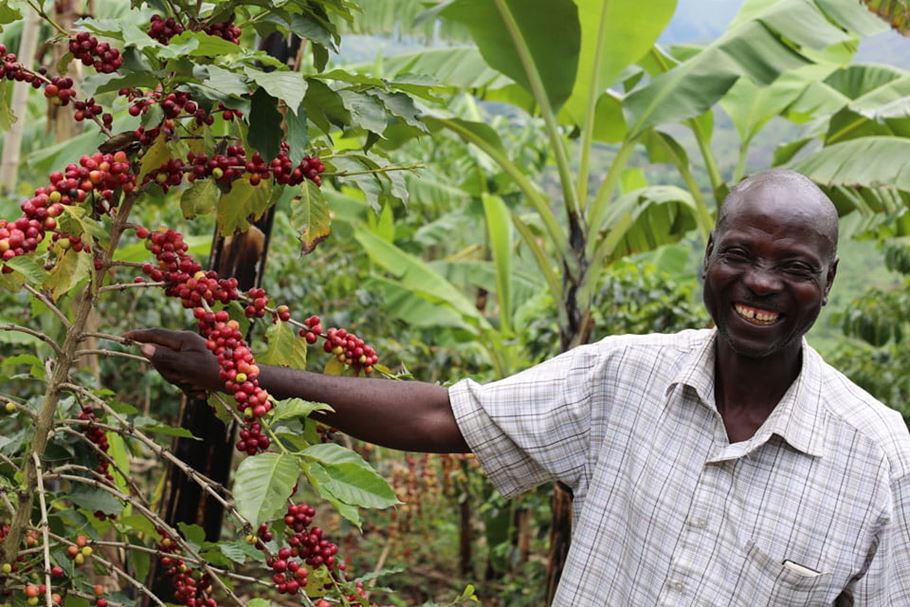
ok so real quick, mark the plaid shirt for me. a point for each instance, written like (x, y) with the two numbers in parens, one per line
(814, 509)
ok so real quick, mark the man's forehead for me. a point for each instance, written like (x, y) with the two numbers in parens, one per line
(782, 200)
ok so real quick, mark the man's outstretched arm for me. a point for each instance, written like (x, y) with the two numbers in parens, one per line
(407, 415)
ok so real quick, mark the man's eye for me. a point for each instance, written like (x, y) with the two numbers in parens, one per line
(799, 270)
(736, 255)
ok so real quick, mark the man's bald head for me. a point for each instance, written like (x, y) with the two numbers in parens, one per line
(786, 190)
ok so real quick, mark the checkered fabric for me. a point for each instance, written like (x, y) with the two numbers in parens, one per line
(812, 510)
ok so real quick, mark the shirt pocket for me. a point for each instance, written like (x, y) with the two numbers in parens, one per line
(775, 584)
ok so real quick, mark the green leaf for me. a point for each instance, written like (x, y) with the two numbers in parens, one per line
(94, 500)
(193, 534)
(402, 107)
(198, 44)
(350, 479)
(199, 198)
(239, 551)
(549, 28)
(242, 202)
(298, 137)
(285, 348)
(8, 14)
(867, 162)
(69, 271)
(263, 484)
(265, 124)
(623, 32)
(295, 407)
(222, 83)
(30, 268)
(366, 110)
(324, 106)
(753, 46)
(499, 231)
(288, 86)
(156, 155)
(153, 426)
(646, 218)
(7, 118)
(310, 216)
(415, 275)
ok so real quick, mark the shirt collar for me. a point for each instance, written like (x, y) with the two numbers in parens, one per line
(799, 417)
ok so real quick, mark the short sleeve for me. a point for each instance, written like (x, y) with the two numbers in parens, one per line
(534, 426)
(887, 580)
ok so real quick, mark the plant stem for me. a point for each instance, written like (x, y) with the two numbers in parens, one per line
(43, 337)
(599, 206)
(708, 156)
(50, 305)
(111, 353)
(546, 111)
(587, 133)
(65, 361)
(49, 599)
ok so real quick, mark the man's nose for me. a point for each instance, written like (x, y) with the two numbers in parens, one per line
(761, 280)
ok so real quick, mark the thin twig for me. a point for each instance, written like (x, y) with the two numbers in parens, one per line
(34, 333)
(19, 407)
(51, 306)
(109, 354)
(123, 286)
(107, 336)
(154, 518)
(49, 599)
(208, 485)
(116, 570)
(9, 462)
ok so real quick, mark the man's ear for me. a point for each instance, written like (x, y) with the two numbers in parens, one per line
(829, 279)
(709, 249)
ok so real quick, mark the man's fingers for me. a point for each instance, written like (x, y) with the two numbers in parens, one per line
(162, 337)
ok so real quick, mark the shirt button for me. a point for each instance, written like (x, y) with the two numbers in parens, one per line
(698, 523)
(678, 586)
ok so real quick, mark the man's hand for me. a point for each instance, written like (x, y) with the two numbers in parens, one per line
(181, 358)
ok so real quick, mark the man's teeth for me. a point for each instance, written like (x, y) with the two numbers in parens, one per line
(754, 314)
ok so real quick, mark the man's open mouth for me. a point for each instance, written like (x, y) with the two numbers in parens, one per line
(756, 316)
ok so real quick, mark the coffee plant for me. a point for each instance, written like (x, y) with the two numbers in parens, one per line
(190, 115)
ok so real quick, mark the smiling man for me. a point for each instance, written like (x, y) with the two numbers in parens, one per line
(729, 466)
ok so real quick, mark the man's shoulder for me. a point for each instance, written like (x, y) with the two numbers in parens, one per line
(653, 343)
(857, 411)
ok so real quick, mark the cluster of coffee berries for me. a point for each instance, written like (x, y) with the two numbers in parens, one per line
(162, 29)
(167, 175)
(99, 175)
(350, 349)
(35, 593)
(285, 173)
(306, 547)
(312, 330)
(88, 109)
(225, 29)
(60, 90)
(96, 435)
(100, 55)
(258, 302)
(79, 551)
(11, 69)
(191, 588)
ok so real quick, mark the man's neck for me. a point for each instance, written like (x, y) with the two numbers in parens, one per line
(746, 390)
